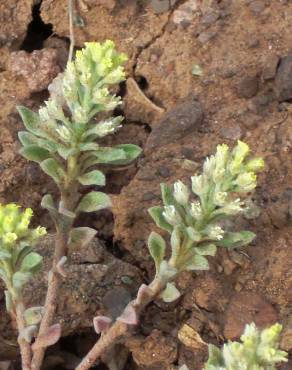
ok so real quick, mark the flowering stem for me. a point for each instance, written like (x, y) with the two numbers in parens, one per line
(71, 30)
(120, 329)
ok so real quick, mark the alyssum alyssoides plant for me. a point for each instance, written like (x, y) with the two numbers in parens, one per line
(18, 264)
(195, 221)
(62, 137)
(258, 350)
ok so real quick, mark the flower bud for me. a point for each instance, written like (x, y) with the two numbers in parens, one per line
(197, 184)
(181, 193)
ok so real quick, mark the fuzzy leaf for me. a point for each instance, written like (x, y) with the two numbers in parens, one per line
(84, 147)
(4, 254)
(19, 253)
(51, 337)
(101, 323)
(20, 278)
(94, 177)
(34, 153)
(170, 293)
(197, 262)
(33, 315)
(94, 201)
(64, 152)
(30, 119)
(156, 246)
(65, 212)
(157, 214)
(52, 168)
(26, 138)
(167, 196)
(236, 239)
(206, 250)
(31, 263)
(48, 204)
(80, 237)
(118, 155)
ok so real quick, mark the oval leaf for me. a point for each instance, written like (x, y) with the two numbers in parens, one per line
(198, 263)
(30, 119)
(236, 239)
(52, 168)
(26, 138)
(156, 246)
(170, 293)
(31, 263)
(34, 153)
(94, 177)
(206, 250)
(93, 202)
(157, 214)
(80, 237)
(20, 278)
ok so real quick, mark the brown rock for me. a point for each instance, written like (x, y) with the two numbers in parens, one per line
(38, 68)
(244, 308)
(283, 80)
(270, 67)
(185, 118)
(248, 87)
(190, 338)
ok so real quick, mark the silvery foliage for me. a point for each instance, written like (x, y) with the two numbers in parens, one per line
(62, 136)
(195, 217)
(258, 350)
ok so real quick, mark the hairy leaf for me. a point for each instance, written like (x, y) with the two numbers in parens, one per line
(52, 168)
(34, 153)
(80, 237)
(94, 177)
(30, 119)
(157, 214)
(33, 315)
(31, 263)
(20, 278)
(236, 239)
(94, 201)
(170, 293)
(197, 262)
(156, 246)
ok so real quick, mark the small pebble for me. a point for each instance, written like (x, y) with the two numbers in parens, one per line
(163, 171)
(149, 196)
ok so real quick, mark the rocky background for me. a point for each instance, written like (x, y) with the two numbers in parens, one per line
(200, 72)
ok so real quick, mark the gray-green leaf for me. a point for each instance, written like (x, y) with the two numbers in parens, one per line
(156, 246)
(20, 278)
(26, 138)
(34, 153)
(52, 168)
(30, 119)
(94, 177)
(31, 263)
(170, 293)
(80, 237)
(236, 239)
(206, 250)
(157, 214)
(94, 201)
(197, 262)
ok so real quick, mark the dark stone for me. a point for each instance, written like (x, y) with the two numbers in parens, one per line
(283, 80)
(248, 87)
(210, 18)
(206, 36)
(270, 68)
(187, 152)
(148, 196)
(257, 7)
(163, 171)
(186, 117)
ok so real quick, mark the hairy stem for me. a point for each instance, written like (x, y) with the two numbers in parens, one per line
(25, 348)
(119, 329)
(51, 298)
